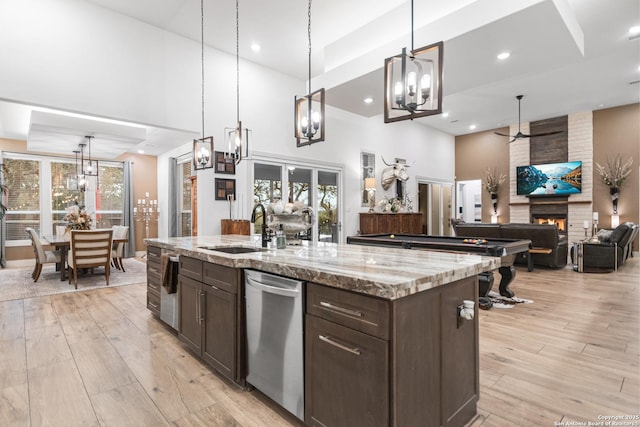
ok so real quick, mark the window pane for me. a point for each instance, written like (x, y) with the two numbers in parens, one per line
(109, 196)
(22, 178)
(63, 192)
(185, 214)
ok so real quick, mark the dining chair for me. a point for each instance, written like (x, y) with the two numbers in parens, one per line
(90, 249)
(119, 232)
(42, 256)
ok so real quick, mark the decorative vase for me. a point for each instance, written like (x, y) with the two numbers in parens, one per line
(615, 194)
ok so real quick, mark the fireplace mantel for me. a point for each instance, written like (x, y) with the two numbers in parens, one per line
(551, 202)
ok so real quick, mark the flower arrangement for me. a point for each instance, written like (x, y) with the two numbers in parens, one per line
(493, 179)
(393, 204)
(77, 218)
(614, 173)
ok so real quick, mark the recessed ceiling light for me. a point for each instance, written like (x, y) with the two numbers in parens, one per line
(255, 47)
(140, 151)
(503, 55)
(472, 127)
(445, 115)
(368, 100)
(634, 30)
(600, 105)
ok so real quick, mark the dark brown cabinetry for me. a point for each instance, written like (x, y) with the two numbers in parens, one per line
(154, 280)
(382, 223)
(209, 313)
(373, 362)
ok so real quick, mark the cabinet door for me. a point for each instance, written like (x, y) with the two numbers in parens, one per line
(189, 321)
(347, 376)
(219, 342)
(368, 223)
(460, 383)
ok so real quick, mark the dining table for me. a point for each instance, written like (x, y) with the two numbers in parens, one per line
(62, 243)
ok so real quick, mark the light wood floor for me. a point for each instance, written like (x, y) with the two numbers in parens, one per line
(99, 358)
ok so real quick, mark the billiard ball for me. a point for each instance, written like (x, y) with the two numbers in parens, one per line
(392, 236)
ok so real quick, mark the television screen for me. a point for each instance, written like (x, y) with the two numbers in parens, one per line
(552, 179)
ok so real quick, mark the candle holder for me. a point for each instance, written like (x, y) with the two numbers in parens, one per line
(146, 210)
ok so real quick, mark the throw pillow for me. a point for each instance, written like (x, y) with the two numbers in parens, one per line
(604, 235)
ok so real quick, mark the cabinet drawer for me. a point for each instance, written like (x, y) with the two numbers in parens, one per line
(360, 312)
(347, 376)
(153, 285)
(153, 302)
(153, 254)
(191, 267)
(221, 277)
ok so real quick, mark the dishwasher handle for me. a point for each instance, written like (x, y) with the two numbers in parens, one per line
(292, 293)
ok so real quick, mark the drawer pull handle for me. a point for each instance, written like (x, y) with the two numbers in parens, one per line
(328, 340)
(153, 305)
(340, 309)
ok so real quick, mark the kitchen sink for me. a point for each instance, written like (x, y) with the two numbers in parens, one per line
(231, 249)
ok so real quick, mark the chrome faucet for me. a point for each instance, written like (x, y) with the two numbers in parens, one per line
(265, 237)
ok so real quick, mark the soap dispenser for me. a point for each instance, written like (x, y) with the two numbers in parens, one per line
(281, 241)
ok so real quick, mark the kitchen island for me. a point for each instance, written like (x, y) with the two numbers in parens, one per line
(384, 340)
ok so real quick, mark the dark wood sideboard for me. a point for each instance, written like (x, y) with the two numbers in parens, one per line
(403, 222)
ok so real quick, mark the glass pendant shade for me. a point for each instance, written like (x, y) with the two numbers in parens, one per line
(309, 118)
(413, 83)
(203, 153)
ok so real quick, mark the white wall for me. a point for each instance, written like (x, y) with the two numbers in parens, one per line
(75, 56)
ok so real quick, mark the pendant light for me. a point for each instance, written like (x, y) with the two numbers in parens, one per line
(237, 138)
(309, 109)
(203, 147)
(90, 168)
(413, 82)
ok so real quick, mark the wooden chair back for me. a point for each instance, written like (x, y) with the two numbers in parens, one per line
(90, 249)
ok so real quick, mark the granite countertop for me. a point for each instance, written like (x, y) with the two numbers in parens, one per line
(383, 272)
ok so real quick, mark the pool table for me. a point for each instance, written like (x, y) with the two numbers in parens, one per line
(506, 249)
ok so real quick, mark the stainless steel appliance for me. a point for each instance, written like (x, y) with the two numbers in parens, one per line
(168, 294)
(274, 307)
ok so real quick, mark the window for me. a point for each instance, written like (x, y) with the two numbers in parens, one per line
(22, 178)
(27, 206)
(186, 217)
(317, 186)
(109, 196)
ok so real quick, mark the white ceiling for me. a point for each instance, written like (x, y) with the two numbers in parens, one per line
(566, 56)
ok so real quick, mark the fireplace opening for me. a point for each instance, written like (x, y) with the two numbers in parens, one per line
(558, 220)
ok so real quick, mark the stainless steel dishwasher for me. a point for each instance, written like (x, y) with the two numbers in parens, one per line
(275, 366)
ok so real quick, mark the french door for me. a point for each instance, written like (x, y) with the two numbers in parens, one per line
(317, 186)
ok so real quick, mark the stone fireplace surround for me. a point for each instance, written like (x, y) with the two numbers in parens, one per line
(575, 144)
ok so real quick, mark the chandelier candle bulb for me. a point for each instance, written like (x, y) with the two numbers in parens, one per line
(595, 216)
(585, 224)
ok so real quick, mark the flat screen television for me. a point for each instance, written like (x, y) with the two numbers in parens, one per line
(551, 179)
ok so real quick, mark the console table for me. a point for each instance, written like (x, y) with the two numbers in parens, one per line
(402, 222)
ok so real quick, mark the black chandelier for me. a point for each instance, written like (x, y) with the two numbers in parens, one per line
(309, 109)
(202, 147)
(413, 82)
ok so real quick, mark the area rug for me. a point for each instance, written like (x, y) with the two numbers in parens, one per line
(505, 302)
(16, 283)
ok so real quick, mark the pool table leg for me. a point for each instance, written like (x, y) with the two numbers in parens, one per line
(508, 274)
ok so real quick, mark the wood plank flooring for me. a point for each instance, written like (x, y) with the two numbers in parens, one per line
(98, 358)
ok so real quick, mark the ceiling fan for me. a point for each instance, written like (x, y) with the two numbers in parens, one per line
(519, 134)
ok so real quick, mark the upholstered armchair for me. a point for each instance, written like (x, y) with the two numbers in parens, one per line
(606, 253)
(42, 256)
